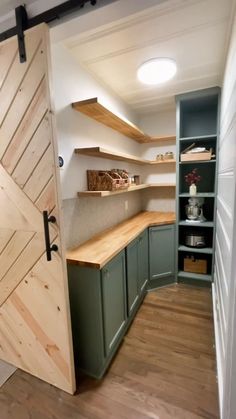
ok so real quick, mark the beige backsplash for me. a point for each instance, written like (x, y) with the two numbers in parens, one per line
(158, 199)
(85, 217)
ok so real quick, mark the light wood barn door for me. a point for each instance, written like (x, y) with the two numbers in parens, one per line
(35, 329)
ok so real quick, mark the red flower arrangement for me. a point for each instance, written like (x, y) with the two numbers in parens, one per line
(192, 177)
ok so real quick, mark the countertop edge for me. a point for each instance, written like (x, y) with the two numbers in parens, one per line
(97, 265)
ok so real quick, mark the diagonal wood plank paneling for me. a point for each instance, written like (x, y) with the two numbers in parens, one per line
(46, 200)
(35, 330)
(16, 73)
(5, 237)
(22, 99)
(18, 213)
(33, 153)
(41, 175)
(13, 249)
(26, 129)
(7, 54)
(42, 283)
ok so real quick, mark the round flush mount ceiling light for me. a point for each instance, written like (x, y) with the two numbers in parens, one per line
(157, 71)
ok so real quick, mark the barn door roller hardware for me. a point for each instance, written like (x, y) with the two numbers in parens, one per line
(21, 26)
(23, 22)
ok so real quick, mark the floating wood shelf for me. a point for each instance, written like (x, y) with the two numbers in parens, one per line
(162, 185)
(96, 111)
(133, 188)
(112, 155)
(169, 161)
(102, 194)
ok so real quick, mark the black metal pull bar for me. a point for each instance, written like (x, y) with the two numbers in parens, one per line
(49, 248)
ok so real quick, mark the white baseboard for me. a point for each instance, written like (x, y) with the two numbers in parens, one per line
(218, 357)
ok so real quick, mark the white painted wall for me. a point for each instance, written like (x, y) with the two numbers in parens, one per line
(159, 123)
(85, 217)
(224, 288)
(155, 124)
(72, 83)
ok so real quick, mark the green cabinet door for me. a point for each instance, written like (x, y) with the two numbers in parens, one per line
(132, 254)
(161, 252)
(114, 300)
(143, 261)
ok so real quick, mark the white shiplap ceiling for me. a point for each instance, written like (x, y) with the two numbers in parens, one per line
(193, 32)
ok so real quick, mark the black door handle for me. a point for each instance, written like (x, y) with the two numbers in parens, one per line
(49, 248)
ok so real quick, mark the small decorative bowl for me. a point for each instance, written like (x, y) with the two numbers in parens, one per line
(169, 155)
(159, 157)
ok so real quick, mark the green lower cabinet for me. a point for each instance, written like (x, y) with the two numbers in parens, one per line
(104, 302)
(137, 270)
(161, 255)
(143, 261)
(87, 319)
(114, 301)
(98, 302)
(132, 275)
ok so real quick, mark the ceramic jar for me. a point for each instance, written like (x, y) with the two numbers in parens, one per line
(193, 189)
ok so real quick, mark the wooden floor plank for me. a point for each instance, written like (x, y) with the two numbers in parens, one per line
(165, 368)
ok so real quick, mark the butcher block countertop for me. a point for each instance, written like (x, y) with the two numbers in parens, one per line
(100, 249)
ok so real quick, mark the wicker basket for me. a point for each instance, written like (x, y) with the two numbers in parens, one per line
(106, 180)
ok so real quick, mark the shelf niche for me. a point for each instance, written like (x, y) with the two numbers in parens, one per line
(95, 110)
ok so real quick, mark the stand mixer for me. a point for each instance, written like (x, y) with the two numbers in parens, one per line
(194, 210)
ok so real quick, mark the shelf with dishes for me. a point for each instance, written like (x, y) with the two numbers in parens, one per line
(95, 110)
(101, 152)
(195, 238)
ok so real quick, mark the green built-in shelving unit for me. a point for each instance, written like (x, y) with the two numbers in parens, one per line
(197, 122)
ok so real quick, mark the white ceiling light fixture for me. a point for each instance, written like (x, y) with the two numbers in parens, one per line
(157, 71)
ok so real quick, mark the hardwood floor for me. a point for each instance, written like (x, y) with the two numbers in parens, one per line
(165, 368)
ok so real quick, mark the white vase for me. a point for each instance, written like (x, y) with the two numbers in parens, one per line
(193, 189)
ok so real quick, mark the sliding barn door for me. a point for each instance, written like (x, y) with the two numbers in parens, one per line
(35, 329)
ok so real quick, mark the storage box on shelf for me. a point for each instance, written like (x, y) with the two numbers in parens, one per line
(197, 123)
(197, 266)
